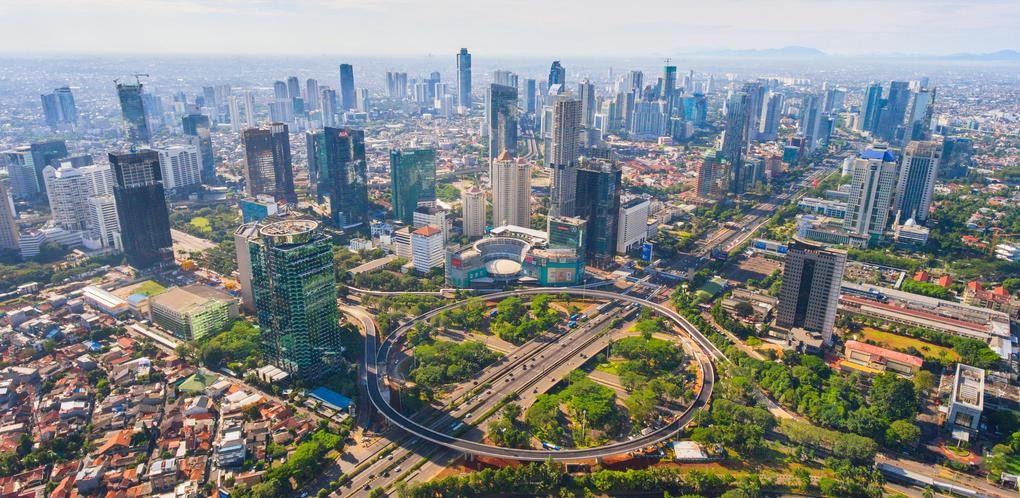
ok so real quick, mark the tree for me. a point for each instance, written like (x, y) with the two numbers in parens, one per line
(903, 434)
(923, 381)
(893, 396)
(744, 309)
(641, 405)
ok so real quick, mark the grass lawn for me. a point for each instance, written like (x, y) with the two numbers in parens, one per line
(894, 341)
(610, 367)
(201, 223)
(149, 288)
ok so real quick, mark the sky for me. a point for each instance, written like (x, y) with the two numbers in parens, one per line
(504, 27)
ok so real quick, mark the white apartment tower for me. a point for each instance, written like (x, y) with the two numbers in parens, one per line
(511, 191)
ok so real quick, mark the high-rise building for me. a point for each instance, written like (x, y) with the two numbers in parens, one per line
(567, 232)
(141, 208)
(502, 118)
(46, 154)
(9, 235)
(530, 89)
(412, 181)
(557, 75)
(181, 167)
(812, 277)
(280, 90)
(918, 126)
(294, 292)
(891, 115)
(772, 112)
(24, 183)
(249, 109)
(811, 117)
(563, 151)
(632, 224)
(65, 101)
(598, 202)
(102, 220)
(311, 94)
(132, 108)
(268, 169)
(871, 192)
(99, 177)
(511, 191)
(734, 143)
(427, 248)
(329, 106)
(668, 83)
(234, 106)
(916, 183)
(464, 80)
(586, 93)
(342, 174)
(67, 190)
(956, 157)
(197, 126)
(51, 110)
(870, 107)
(293, 87)
(348, 99)
(713, 177)
(473, 212)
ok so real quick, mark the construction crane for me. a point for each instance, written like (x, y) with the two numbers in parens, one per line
(996, 235)
(138, 80)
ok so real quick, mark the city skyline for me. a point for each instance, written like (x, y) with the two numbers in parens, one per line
(233, 27)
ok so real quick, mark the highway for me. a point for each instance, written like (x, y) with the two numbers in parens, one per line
(707, 351)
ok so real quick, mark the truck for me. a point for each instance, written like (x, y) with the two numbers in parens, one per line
(550, 446)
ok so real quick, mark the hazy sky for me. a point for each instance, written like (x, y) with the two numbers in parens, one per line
(505, 27)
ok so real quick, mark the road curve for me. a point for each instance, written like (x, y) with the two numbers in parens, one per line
(707, 351)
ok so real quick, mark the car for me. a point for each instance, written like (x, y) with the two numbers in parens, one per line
(398, 469)
(386, 473)
(368, 487)
(371, 476)
(390, 456)
(468, 415)
(506, 379)
(535, 390)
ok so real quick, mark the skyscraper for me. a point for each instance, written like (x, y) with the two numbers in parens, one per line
(132, 108)
(280, 91)
(890, 118)
(529, 96)
(734, 141)
(141, 208)
(348, 99)
(412, 181)
(67, 190)
(9, 235)
(103, 224)
(249, 109)
(586, 92)
(557, 75)
(294, 292)
(563, 150)
(812, 277)
(811, 121)
(197, 126)
(511, 191)
(329, 106)
(293, 87)
(311, 94)
(181, 167)
(342, 174)
(598, 202)
(870, 107)
(268, 169)
(772, 112)
(956, 157)
(464, 80)
(65, 102)
(46, 154)
(24, 183)
(501, 113)
(713, 181)
(871, 192)
(51, 109)
(473, 212)
(917, 180)
(918, 126)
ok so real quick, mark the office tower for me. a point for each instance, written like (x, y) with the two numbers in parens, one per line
(649, 119)
(812, 277)
(132, 108)
(635, 82)
(563, 151)
(916, 184)
(141, 208)
(464, 81)
(501, 114)
(811, 121)
(434, 216)
(311, 94)
(46, 154)
(51, 109)
(412, 181)
(756, 92)
(557, 75)
(234, 106)
(530, 88)
(427, 249)
(348, 99)
(249, 109)
(870, 107)
(586, 92)
(280, 91)
(713, 176)
(197, 125)
(956, 157)
(772, 112)
(102, 221)
(293, 87)
(890, 118)
(511, 191)
(362, 100)
(396, 85)
(330, 107)
(567, 232)
(65, 102)
(668, 83)
(342, 174)
(67, 190)
(918, 126)
(181, 168)
(505, 78)
(99, 177)
(473, 212)
(632, 224)
(294, 292)
(209, 95)
(734, 142)
(268, 169)
(871, 192)
(834, 98)
(9, 235)
(24, 183)
(598, 203)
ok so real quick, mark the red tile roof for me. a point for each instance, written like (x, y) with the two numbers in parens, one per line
(885, 353)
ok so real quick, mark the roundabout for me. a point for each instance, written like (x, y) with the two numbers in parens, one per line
(445, 430)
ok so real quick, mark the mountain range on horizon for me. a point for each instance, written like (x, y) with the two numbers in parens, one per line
(801, 52)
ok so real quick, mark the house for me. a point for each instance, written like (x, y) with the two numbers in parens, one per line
(871, 359)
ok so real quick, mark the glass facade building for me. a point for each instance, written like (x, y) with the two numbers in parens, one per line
(141, 208)
(341, 173)
(268, 169)
(197, 125)
(132, 108)
(412, 181)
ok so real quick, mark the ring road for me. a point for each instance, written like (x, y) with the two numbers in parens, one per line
(704, 355)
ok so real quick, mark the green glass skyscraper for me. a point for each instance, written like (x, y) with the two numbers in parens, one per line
(294, 291)
(136, 126)
(412, 181)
